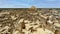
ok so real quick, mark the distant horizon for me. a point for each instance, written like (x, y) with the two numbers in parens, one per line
(29, 3)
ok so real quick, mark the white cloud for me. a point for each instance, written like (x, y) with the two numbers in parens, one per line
(50, 0)
(13, 5)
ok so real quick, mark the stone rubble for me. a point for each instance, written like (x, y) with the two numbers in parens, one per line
(24, 22)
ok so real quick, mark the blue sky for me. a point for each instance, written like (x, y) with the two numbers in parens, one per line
(29, 3)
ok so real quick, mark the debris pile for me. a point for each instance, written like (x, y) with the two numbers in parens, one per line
(25, 22)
